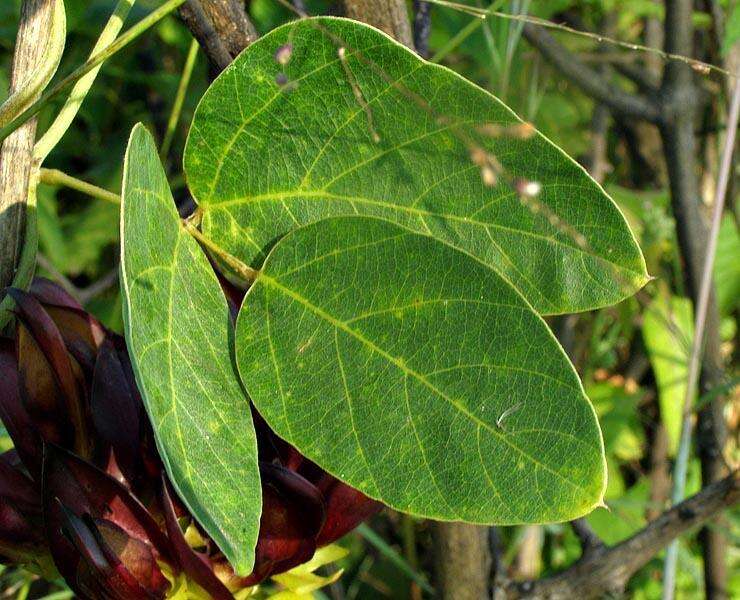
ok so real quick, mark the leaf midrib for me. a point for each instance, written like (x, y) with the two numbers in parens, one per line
(168, 340)
(271, 281)
(245, 121)
(321, 195)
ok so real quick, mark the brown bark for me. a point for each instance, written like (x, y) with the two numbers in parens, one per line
(15, 157)
(221, 27)
(389, 15)
(660, 476)
(462, 561)
(680, 108)
(606, 571)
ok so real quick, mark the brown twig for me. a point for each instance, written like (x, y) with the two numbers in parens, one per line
(589, 80)
(422, 26)
(389, 15)
(590, 542)
(221, 27)
(680, 104)
(609, 570)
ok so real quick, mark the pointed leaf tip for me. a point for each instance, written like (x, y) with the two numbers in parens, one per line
(409, 374)
(178, 332)
(425, 149)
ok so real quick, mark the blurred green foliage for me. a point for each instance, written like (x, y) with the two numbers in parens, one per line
(620, 352)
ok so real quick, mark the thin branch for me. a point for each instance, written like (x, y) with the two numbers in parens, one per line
(698, 65)
(618, 100)
(106, 282)
(608, 571)
(82, 295)
(590, 542)
(701, 313)
(57, 275)
(247, 273)
(422, 26)
(56, 177)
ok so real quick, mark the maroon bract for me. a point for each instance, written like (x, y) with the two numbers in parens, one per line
(84, 486)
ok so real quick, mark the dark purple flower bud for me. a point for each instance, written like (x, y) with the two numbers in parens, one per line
(196, 565)
(107, 562)
(84, 483)
(117, 409)
(346, 508)
(85, 489)
(82, 333)
(20, 514)
(50, 382)
(292, 516)
(14, 415)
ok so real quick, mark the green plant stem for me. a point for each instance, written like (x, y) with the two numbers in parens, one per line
(65, 117)
(182, 89)
(465, 32)
(56, 177)
(19, 100)
(389, 553)
(244, 271)
(124, 40)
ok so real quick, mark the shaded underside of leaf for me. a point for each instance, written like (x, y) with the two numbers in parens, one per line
(178, 333)
(264, 156)
(416, 374)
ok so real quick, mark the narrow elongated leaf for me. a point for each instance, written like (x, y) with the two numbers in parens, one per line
(178, 332)
(327, 117)
(417, 375)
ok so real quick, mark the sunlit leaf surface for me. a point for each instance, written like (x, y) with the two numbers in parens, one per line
(178, 332)
(327, 117)
(418, 375)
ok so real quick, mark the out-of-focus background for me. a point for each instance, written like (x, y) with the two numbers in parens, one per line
(632, 357)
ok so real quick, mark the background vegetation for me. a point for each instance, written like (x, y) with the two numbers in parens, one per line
(631, 357)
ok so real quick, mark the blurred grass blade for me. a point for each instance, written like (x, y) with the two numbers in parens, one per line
(390, 553)
(182, 89)
(65, 117)
(129, 36)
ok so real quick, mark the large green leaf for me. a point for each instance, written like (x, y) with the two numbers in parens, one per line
(178, 332)
(264, 156)
(418, 375)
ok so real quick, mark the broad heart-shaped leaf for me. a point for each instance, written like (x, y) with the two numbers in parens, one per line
(263, 157)
(178, 333)
(416, 374)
